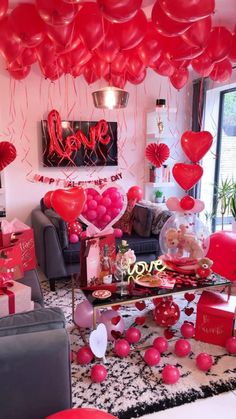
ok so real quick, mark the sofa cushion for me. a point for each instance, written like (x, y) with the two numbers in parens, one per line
(72, 253)
(140, 245)
(60, 225)
(32, 321)
(142, 222)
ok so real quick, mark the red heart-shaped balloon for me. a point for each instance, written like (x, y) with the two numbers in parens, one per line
(68, 203)
(7, 154)
(187, 175)
(196, 144)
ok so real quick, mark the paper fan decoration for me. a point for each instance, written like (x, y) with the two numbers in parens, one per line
(157, 153)
(7, 154)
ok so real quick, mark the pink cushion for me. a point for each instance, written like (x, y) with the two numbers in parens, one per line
(83, 413)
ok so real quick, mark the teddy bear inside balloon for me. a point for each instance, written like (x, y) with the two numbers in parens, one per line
(184, 239)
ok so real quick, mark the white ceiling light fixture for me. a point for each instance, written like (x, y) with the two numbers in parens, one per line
(110, 97)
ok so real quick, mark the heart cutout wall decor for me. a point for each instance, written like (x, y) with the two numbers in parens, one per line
(7, 154)
(98, 341)
(68, 203)
(157, 153)
(196, 144)
(187, 175)
(103, 207)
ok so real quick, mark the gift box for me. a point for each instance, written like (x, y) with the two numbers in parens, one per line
(14, 297)
(91, 258)
(215, 320)
(22, 235)
(11, 261)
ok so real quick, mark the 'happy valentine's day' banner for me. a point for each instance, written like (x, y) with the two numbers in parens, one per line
(72, 183)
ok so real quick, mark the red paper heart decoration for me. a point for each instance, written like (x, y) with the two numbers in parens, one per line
(168, 333)
(115, 320)
(196, 144)
(115, 334)
(68, 203)
(116, 307)
(7, 154)
(157, 153)
(187, 175)
(188, 311)
(140, 320)
(140, 305)
(189, 297)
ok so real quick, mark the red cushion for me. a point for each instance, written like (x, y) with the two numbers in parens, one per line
(83, 413)
(125, 223)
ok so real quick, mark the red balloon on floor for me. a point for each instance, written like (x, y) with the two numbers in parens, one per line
(222, 251)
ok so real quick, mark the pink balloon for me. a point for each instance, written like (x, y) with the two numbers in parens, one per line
(187, 330)
(84, 355)
(92, 204)
(152, 357)
(182, 348)
(84, 314)
(170, 374)
(230, 345)
(161, 344)
(91, 215)
(101, 210)
(133, 335)
(106, 318)
(204, 361)
(172, 203)
(118, 232)
(73, 238)
(198, 206)
(122, 348)
(106, 201)
(98, 374)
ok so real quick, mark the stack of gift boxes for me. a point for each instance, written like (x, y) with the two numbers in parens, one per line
(17, 255)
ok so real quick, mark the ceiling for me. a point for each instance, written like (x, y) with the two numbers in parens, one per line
(224, 12)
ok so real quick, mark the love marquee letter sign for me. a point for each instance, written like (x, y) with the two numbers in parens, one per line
(78, 143)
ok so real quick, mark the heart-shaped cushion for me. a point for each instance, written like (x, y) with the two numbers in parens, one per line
(68, 203)
(98, 341)
(187, 175)
(196, 144)
(7, 154)
(103, 207)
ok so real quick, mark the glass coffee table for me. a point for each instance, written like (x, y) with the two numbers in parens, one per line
(136, 292)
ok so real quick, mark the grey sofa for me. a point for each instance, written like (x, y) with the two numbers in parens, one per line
(35, 377)
(58, 258)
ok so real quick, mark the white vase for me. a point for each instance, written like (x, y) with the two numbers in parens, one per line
(234, 226)
(159, 200)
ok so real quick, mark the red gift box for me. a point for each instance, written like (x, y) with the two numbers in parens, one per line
(11, 261)
(91, 255)
(25, 240)
(5, 239)
(215, 318)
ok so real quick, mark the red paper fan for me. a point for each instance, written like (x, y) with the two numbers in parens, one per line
(157, 153)
(7, 154)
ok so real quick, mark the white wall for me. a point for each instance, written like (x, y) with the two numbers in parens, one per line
(24, 104)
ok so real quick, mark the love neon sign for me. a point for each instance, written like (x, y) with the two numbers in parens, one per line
(143, 268)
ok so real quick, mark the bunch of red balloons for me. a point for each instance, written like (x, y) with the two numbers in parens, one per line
(115, 41)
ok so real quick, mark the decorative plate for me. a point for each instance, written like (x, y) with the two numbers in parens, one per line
(101, 294)
(158, 281)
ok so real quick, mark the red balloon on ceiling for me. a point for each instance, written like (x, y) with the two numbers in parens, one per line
(92, 26)
(131, 33)
(222, 71)
(3, 8)
(119, 10)
(219, 43)
(7, 154)
(149, 50)
(198, 33)
(56, 12)
(187, 10)
(27, 24)
(164, 24)
(203, 64)
(179, 78)
(10, 46)
(20, 73)
(164, 66)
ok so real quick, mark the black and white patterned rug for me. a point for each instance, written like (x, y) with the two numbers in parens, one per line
(132, 388)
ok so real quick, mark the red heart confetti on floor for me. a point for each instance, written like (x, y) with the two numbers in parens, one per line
(115, 320)
(189, 296)
(140, 305)
(140, 320)
(168, 333)
(115, 334)
(189, 311)
(117, 307)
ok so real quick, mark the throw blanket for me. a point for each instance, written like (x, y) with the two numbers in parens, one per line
(160, 215)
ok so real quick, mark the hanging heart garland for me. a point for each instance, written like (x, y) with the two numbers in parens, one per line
(157, 153)
(196, 144)
(7, 154)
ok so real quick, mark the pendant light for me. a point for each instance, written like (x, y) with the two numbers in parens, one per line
(110, 97)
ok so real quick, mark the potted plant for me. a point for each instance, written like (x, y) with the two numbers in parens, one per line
(226, 198)
(158, 196)
(232, 205)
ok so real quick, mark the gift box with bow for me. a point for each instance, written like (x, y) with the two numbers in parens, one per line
(14, 296)
(22, 235)
(215, 321)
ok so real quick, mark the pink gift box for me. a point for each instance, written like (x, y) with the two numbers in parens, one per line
(15, 298)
